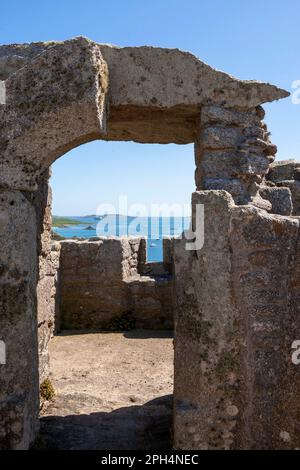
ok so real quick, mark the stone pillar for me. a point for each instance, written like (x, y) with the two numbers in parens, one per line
(19, 385)
(207, 339)
(233, 152)
(52, 105)
(236, 318)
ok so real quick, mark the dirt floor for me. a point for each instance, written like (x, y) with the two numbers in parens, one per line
(113, 391)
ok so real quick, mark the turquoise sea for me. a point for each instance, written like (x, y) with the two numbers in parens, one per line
(154, 228)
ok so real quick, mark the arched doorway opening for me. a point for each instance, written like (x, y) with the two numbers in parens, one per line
(111, 352)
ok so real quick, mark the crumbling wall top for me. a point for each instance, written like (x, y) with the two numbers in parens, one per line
(154, 76)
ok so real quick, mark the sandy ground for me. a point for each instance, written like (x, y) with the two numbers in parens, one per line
(113, 391)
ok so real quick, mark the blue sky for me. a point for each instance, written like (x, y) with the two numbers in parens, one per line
(249, 39)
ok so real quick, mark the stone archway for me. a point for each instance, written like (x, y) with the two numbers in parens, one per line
(60, 95)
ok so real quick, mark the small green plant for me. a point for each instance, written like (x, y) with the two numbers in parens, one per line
(47, 391)
(124, 322)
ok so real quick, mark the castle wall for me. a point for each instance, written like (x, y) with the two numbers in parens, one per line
(236, 317)
(19, 383)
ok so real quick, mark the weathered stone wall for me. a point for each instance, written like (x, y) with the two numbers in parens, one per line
(103, 280)
(47, 292)
(236, 317)
(233, 153)
(48, 306)
(264, 256)
(284, 177)
(19, 384)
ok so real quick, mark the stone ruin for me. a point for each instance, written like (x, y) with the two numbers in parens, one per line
(236, 300)
(100, 282)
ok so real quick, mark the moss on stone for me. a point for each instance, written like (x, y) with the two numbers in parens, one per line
(47, 391)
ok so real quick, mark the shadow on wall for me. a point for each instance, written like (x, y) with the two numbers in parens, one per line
(145, 427)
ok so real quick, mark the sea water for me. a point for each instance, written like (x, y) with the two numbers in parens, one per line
(153, 228)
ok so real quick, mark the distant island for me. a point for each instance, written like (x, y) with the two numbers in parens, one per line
(89, 226)
(58, 221)
(62, 221)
